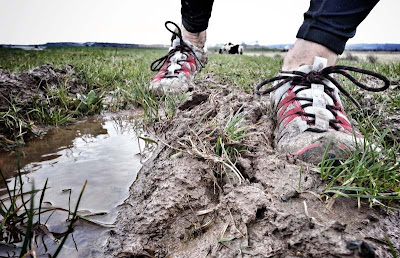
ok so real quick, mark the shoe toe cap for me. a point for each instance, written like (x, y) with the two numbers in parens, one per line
(311, 147)
(169, 86)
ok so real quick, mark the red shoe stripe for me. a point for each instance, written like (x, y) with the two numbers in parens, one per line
(345, 124)
(287, 99)
(288, 120)
(314, 145)
(292, 112)
(285, 103)
(283, 110)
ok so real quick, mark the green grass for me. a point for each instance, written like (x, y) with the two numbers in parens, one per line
(234, 131)
(371, 172)
(242, 71)
(230, 143)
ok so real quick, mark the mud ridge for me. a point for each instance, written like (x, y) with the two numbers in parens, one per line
(21, 95)
(24, 87)
(179, 207)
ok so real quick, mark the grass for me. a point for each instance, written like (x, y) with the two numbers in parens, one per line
(230, 143)
(371, 172)
(391, 247)
(242, 71)
(233, 133)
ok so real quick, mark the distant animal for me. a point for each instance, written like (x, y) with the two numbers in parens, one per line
(231, 49)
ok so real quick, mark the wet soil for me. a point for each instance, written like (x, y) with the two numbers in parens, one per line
(25, 87)
(179, 206)
(27, 90)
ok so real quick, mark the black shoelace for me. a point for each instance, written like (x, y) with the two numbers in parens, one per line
(318, 77)
(182, 47)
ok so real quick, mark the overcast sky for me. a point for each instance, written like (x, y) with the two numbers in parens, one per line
(138, 21)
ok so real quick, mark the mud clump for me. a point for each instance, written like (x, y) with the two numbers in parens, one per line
(25, 87)
(182, 206)
(24, 95)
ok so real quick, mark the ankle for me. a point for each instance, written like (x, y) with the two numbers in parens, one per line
(303, 53)
(197, 39)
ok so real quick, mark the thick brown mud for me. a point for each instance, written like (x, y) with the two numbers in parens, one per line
(22, 93)
(25, 87)
(180, 207)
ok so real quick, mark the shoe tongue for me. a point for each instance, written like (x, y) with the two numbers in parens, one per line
(178, 56)
(319, 64)
(177, 42)
(317, 93)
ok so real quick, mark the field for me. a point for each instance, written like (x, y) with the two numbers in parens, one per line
(216, 186)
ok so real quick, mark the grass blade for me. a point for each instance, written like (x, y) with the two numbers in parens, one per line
(5, 182)
(41, 198)
(28, 231)
(71, 224)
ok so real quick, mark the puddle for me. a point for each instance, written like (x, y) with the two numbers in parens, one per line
(102, 150)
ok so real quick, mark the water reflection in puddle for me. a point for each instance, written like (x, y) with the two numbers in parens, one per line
(104, 151)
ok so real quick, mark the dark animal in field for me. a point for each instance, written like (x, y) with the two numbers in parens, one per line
(231, 49)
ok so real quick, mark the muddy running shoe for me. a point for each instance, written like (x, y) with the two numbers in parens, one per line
(177, 69)
(309, 112)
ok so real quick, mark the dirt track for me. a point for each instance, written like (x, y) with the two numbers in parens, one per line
(176, 208)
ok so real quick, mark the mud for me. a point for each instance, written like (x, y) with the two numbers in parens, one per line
(24, 87)
(22, 91)
(180, 207)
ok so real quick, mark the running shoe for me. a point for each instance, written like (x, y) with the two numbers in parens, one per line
(310, 118)
(177, 69)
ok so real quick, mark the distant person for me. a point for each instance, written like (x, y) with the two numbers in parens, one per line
(305, 97)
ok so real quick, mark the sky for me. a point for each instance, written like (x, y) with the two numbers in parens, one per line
(142, 22)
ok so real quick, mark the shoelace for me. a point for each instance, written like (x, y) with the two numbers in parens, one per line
(318, 77)
(182, 47)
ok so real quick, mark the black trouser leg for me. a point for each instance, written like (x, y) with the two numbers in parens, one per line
(332, 22)
(196, 14)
